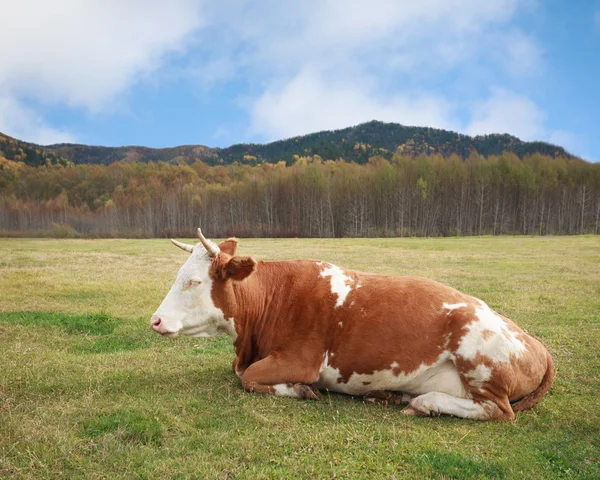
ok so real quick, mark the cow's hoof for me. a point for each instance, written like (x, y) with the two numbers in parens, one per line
(307, 392)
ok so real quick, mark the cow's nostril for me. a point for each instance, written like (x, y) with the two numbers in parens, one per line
(156, 322)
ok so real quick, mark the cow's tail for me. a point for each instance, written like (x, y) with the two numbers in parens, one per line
(535, 396)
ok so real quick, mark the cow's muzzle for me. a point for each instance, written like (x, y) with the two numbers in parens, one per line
(157, 325)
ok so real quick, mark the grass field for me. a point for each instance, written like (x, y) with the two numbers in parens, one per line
(88, 390)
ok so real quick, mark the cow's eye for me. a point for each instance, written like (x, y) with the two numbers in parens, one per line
(193, 283)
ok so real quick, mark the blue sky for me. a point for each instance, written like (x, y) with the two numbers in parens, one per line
(165, 73)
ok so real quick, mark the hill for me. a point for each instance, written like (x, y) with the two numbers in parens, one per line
(359, 143)
(354, 144)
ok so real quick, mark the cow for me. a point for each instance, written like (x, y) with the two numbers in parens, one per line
(301, 326)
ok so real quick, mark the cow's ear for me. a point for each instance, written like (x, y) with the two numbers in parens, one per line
(229, 246)
(239, 268)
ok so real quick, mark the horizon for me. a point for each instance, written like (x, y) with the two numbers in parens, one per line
(163, 75)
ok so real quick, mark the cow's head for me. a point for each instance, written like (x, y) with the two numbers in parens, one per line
(188, 308)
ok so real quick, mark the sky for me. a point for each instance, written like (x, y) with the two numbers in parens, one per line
(173, 72)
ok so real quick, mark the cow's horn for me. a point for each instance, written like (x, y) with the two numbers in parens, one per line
(183, 246)
(211, 248)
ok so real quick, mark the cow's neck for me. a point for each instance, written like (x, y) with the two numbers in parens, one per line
(255, 305)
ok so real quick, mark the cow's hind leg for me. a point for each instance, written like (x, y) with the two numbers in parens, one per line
(275, 376)
(437, 403)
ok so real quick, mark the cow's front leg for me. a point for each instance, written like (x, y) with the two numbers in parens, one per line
(276, 376)
(237, 368)
(295, 390)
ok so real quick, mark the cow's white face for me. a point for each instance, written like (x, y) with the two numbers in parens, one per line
(188, 308)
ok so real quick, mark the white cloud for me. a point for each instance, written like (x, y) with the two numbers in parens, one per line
(274, 37)
(507, 112)
(22, 122)
(522, 55)
(84, 53)
(310, 65)
(310, 103)
(330, 64)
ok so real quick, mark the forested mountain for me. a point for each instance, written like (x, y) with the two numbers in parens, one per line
(353, 144)
(403, 181)
(29, 153)
(374, 138)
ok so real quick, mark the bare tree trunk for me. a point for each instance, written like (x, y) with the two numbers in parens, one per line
(330, 208)
(482, 190)
(582, 211)
(597, 216)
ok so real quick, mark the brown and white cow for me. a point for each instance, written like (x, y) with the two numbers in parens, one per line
(303, 325)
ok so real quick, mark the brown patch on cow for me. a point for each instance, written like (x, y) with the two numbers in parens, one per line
(366, 383)
(487, 334)
(457, 322)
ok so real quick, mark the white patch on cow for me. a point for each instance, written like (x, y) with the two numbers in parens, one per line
(341, 324)
(285, 390)
(441, 376)
(490, 336)
(359, 285)
(453, 306)
(479, 375)
(328, 376)
(230, 328)
(442, 403)
(339, 282)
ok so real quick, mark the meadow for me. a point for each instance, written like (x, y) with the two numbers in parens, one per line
(87, 390)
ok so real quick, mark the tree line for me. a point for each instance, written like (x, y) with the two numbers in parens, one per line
(423, 195)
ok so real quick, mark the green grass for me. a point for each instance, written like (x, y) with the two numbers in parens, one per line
(92, 324)
(128, 426)
(87, 390)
